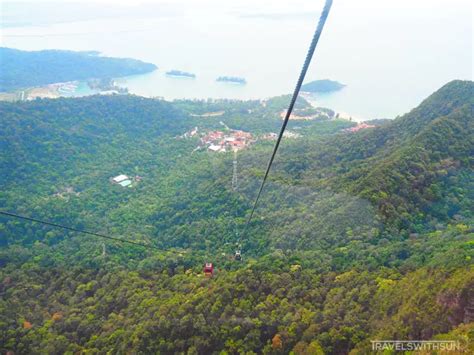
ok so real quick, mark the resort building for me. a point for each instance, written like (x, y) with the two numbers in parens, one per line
(122, 180)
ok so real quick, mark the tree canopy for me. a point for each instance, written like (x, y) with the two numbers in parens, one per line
(359, 235)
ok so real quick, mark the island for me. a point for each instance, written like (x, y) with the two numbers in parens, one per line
(325, 85)
(27, 69)
(232, 79)
(179, 73)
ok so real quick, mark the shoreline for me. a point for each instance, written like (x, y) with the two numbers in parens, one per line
(344, 115)
(71, 89)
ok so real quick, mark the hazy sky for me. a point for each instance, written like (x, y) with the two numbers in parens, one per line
(406, 5)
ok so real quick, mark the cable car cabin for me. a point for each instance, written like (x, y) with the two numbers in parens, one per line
(208, 269)
(238, 255)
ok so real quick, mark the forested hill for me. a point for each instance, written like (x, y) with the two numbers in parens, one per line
(23, 69)
(359, 235)
(409, 168)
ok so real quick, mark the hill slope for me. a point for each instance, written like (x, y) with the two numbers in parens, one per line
(359, 236)
(405, 167)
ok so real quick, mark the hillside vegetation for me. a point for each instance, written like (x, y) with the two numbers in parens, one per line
(359, 236)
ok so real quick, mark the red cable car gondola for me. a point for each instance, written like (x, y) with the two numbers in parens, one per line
(208, 269)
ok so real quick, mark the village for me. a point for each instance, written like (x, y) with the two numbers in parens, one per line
(233, 140)
(216, 141)
(358, 127)
(220, 141)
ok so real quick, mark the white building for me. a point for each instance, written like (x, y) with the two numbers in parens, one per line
(216, 148)
(118, 179)
(125, 183)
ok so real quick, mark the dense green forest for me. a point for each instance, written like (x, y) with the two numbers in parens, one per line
(359, 236)
(24, 69)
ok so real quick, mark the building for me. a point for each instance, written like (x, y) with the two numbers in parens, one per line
(216, 148)
(234, 140)
(290, 134)
(242, 135)
(270, 136)
(122, 180)
(359, 127)
(212, 136)
(190, 133)
(125, 183)
(119, 178)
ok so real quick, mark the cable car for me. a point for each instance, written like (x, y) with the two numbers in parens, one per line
(238, 255)
(208, 269)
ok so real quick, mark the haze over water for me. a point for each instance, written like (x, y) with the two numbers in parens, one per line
(390, 54)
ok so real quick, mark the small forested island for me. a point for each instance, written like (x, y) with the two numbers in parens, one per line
(325, 85)
(180, 74)
(26, 69)
(232, 79)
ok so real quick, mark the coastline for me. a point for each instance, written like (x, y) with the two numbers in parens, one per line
(81, 88)
(56, 90)
(340, 114)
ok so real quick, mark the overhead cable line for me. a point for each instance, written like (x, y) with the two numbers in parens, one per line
(314, 42)
(56, 225)
(312, 47)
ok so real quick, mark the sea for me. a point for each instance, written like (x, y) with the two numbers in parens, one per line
(389, 54)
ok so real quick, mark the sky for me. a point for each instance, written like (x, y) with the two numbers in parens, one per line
(420, 8)
(404, 5)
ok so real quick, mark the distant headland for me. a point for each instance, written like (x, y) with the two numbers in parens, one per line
(26, 69)
(325, 85)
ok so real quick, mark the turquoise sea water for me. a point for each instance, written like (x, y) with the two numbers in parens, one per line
(83, 90)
